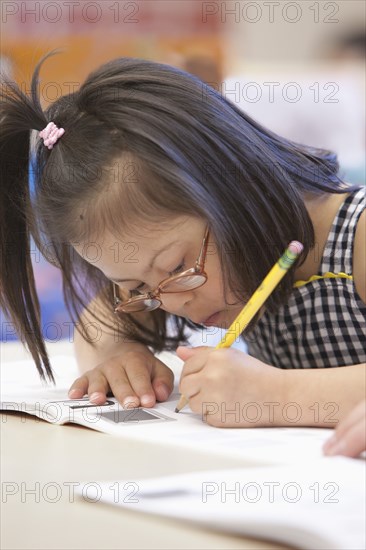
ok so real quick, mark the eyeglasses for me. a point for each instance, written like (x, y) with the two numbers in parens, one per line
(182, 282)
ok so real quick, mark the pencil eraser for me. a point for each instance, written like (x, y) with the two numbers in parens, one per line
(295, 247)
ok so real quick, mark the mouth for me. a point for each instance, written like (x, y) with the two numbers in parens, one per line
(212, 320)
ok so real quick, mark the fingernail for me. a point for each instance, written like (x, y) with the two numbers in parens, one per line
(94, 396)
(163, 391)
(130, 402)
(147, 399)
(73, 392)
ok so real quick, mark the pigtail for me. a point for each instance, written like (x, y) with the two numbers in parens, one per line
(19, 114)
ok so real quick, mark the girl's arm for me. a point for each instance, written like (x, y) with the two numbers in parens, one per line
(322, 397)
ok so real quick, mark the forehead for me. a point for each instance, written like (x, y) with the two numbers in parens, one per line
(148, 234)
(139, 244)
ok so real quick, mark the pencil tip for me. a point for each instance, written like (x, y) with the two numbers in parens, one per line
(176, 410)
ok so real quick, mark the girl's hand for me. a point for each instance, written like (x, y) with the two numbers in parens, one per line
(230, 388)
(349, 438)
(136, 378)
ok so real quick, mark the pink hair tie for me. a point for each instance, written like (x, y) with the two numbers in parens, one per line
(51, 134)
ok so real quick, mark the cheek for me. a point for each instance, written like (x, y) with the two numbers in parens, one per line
(212, 290)
(214, 273)
(214, 287)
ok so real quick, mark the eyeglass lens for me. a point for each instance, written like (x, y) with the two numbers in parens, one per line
(185, 282)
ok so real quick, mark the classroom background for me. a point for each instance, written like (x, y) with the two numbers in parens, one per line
(296, 67)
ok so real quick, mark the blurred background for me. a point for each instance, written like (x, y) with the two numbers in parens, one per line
(296, 67)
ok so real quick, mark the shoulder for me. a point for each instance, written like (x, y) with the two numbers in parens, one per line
(359, 257)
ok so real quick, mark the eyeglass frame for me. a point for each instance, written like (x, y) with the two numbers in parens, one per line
(198, 269)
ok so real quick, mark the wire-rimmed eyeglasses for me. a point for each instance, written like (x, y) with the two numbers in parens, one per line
(189, 279)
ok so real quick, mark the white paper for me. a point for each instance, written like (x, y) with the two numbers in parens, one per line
(319, 504)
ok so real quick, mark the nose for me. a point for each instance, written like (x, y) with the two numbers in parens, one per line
(175, 302)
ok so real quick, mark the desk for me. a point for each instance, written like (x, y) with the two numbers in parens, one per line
(42, 460)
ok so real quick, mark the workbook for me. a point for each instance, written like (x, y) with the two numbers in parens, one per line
(318, 504)
(23, 391)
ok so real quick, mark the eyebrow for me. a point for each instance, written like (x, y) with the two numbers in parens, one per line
(150, 266)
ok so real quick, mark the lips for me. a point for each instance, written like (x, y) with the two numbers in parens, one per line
(212, 320)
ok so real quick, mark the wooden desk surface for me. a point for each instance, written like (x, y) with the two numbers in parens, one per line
(41, 463)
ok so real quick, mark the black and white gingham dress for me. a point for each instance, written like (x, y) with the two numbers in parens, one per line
(323, 323)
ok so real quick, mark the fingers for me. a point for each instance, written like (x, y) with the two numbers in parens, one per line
(354, 416)
(190, 382)
(130, 390)
(163, 381)
(195, 358)
(349, 438)
(351, 443)
(186, 353)
(95, 386)
(135, 378)
(138, 368)
(190, 385)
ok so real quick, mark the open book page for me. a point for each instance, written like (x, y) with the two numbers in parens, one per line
(320, 504)
(22, 390)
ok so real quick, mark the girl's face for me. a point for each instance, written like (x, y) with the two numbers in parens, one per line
(141, 261)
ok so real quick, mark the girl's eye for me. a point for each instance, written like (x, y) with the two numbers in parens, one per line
(179, 268)
(139, 289)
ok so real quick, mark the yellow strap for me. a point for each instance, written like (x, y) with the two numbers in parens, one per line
(327, 275)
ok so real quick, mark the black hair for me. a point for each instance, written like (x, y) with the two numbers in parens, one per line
(183, 149)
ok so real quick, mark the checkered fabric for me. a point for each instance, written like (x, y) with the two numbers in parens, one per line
(323, 323)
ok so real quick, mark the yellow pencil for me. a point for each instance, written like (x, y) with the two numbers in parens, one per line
(256, 301)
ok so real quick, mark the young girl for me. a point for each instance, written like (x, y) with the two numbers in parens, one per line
(159, 200)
